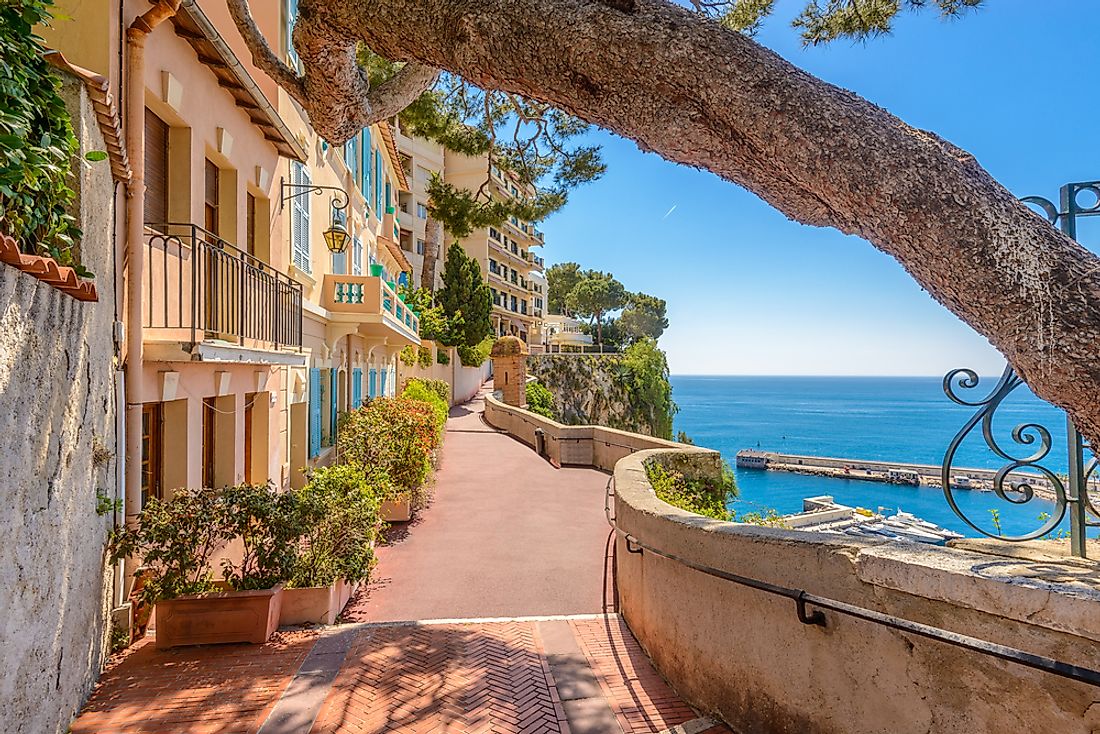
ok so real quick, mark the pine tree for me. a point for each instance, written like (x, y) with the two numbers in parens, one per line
(465, 299)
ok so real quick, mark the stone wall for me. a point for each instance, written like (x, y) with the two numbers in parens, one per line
(57, 393)
(743, 655)
(589, 389)
(465, 382)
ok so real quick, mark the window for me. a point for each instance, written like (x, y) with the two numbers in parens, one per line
(493, 266)
(419, 247)
(156, 169)
(366, 161)
(421, 211)
(250, 224)
(152, 431)
(494, 233)
(299, 219)
(210, 198)
(290, 13)
(513, 302)
(389, 199)
(356, 256)
(209, 430)
(353, 159)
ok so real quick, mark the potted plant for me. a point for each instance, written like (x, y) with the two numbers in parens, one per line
(376, 270)
(338, 511)
(176, 540)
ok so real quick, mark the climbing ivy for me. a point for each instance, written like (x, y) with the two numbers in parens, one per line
(37, 143)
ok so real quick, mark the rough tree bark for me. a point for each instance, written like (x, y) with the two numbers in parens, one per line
(699, 95)
(433, 245)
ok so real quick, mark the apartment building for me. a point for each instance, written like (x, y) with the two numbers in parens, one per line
(246, 334)
(215, 322)
(420, 159)
(505, 253)
(354, 322)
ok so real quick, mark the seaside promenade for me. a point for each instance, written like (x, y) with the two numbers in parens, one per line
(492, 612)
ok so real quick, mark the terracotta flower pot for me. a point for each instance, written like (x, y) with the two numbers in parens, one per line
(399, 510)
(224, 616)
(317, 604)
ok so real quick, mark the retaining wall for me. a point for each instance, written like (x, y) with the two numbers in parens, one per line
(743, 654)
(58, 398)
(465, 382)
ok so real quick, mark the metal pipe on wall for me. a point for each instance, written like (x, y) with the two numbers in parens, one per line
(136, 35)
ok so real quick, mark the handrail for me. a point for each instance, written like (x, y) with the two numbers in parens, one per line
(804, 599)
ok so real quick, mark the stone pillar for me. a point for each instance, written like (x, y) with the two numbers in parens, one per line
(510, 369)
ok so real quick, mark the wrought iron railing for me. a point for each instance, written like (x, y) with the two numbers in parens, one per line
(201, 287)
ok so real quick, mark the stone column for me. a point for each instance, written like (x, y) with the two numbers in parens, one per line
(510, 369)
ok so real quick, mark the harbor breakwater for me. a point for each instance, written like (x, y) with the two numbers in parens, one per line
(925, 475)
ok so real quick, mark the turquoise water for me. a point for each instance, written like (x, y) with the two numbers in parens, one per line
(902, 419)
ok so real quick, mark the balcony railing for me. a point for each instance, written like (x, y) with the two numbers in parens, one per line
(371, 295)
(198, 287)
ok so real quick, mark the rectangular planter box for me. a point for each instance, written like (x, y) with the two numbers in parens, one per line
(399, 510)
(228, 616)
(315, 605)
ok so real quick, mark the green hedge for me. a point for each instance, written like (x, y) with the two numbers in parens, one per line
(37, 144)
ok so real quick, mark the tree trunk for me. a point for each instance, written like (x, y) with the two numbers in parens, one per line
(706, 97)
(433, 240)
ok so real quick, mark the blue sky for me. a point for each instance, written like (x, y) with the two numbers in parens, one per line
(750, 292)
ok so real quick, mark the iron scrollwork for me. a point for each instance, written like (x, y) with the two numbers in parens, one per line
(1023, 470)
(1017, 490)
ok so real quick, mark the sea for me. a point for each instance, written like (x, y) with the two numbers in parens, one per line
(902, 419)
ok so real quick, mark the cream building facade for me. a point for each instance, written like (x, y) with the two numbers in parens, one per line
(420, 160)
(245, 336)
(506, 254)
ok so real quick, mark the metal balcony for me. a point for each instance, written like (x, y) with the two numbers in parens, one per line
(198, 287)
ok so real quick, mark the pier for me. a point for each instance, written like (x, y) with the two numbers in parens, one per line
(890, 472)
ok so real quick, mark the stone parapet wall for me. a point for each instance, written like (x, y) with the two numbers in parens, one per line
(743, 654)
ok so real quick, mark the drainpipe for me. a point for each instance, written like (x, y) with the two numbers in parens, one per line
(136, 34)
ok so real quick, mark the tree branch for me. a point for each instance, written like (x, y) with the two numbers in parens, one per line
(698, 94)
(263, 56)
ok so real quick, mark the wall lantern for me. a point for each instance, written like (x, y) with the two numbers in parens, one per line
(336, 236)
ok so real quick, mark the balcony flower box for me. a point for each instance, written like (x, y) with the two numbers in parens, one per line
(397, 510)
(218, 617)
(376, 271)
(317, 604)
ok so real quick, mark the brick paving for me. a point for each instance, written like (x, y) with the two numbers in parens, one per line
(557, 663)
(223, 689)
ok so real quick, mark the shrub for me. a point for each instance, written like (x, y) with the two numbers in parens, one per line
(442, 357)
(408, 356)
(419, 391)
(37, 144)
(174, 539)
(424, 356)
(269, 526)
(540, 400)
(339, 514)
(394, 435)
(439, 387)
(475, 356)
(703, 496)
(646, 379)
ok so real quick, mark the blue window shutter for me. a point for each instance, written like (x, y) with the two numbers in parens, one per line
(314, 412)
(333, 392)
(385, 374)
(378, 181)
(373, 386)
(356, 387)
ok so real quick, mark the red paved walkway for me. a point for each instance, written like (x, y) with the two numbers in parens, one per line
(508, 536)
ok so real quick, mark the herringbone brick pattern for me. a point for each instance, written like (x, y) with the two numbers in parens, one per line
(223, 689)
(640, 698)
(469, 679)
